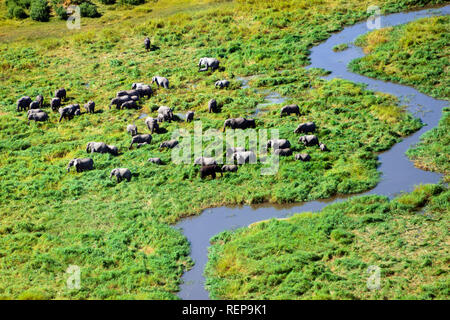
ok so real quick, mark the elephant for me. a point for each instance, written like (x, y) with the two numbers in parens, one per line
(147, 44)
(24, 103)
(232, 150)
(40, 100)
(283, 152)
(239, 123)
(309, 140)
(37, 116)
(212, 106)
(229, 168)
(155, 160)
(278, 144)
(81, 164)
(210, 170)
(222, 84)
(101, 147)
(161, 81)
(189, 116)
(121, 173)
(141, 139)
(302, 157)
(291, 108)
(244, 157)
(305, 127)
(152, 124)
(90, 106)
(69, 111)
(130, 93)
(130, 105)
(160, 118)
(169, 144)
(142, 89)
(132, 129)
(323, 147)
(34, 111)
(166, 112)
(205, 161)
(119, 101)
(134, 98)
(208, 63)
(55, 103)
(61, 93)
(34, 105)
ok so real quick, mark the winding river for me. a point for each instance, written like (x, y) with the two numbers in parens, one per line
(397, 172)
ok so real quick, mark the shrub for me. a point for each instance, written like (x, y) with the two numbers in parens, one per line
(88, 9)
(132, 2)
(40, 11)
(16, 12)
(108, 1)
(61, 12)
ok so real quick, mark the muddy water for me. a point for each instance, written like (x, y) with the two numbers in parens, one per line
(398, 173)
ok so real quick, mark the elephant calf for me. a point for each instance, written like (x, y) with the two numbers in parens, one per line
(232, 150)
(205, 161)
(169, 144)
(229, 168)
(34, 105)
(283, 152)
(37, 116)
(24, 103)
(81, 164)
(101, 147)
(309, 140)
(61, 93)
(155, 160)
(244, 157)
(212, 106)
(121, 173)
(152, 124)
(161, 81)
(131, 104)
(147, 44)
(189, 116)
(302, 157)
(222, 84)
(141, 139)
(306, 127)
(292, 108)
(278, 144)
(90, 106)
(55, 103)
(132, 129)
(210, 170)
(323, 147)
(40, 100)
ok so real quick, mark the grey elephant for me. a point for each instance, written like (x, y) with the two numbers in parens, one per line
(55, 103)
(169, 144)
(323, 147)
(142, 89)
(141, 139)
(37, 116)
(132, 129)
(90, 106)
(130, 105)
(132, 92)
(34, 105)
(101, 147)
(81, 165)
(232, 150)
(24, 103)
(152, 124)
(69, 112)
(244, 157)
(210, 170)
(121, 174)
(309, 140)
(34, 111)
(283, 152)
(302, 157)
(147, 44)
(155, 160)
(208, 63)
(161, 81)
(189, 116)
(278, 144)
(305, 127)
(40, 100)
(204, 161)
(239, 123)
(222, 84)
(291, 108)
(119, 101)
(212, 106)
(230, 168)
(166, 112)
(160, 118)
(61, 93)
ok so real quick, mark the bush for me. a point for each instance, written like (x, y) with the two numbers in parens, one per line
(108, 1)
(61, 12)
(132, 2)
(88, 9)
(16, 12)
(40, 11)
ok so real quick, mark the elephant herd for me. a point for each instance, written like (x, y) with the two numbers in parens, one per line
(129, 99)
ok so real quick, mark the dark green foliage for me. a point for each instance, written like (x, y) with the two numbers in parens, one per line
(40, 10)
(17, 12)
(89, 9)
(132, 2)
(108, 1)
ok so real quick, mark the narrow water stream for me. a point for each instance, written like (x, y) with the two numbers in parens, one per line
(398, 173)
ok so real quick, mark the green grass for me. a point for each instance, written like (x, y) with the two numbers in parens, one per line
(120, 234)
(326, 255)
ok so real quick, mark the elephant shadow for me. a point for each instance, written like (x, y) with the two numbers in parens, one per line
(154, 47)
(162, 130)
